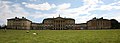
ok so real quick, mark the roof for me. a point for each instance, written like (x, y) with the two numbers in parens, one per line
(97, 19)
(57, 18)
(19, 19)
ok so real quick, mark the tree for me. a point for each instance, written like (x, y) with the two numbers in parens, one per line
(115, 24)
(0, 26)
(3, 26)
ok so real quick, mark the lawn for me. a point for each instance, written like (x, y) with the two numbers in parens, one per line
(60, 36)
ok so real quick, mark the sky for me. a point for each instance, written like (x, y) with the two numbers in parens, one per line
(80, 10)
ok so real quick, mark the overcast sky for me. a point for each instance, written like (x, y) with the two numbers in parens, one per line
(80, 10)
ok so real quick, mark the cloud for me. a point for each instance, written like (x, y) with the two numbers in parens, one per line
(43, 15)
(64, 6)
(10, 11)
(115, 5)
(91, 2)
(43, 6)
(47, 6)
(89, 5)
(38, 14)
(24, 3)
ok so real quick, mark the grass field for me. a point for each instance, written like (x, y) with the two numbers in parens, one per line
(60, 36)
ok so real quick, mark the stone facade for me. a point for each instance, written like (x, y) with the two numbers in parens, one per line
(80, 26)
(18, 23)
(99, 23)
(37, 26)
(59, 23)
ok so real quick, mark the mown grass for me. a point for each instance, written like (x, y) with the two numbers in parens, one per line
(60, 36)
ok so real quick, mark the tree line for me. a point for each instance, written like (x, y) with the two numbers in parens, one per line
(3, 26)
